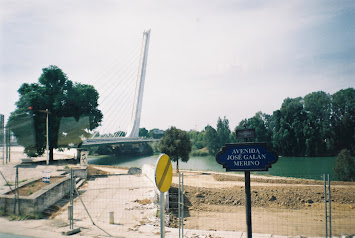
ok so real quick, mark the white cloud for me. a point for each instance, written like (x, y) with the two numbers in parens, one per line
(207, 58)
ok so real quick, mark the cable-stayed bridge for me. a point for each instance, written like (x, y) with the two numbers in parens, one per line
(121, 88)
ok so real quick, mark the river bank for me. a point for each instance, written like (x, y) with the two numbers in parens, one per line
(298, 167)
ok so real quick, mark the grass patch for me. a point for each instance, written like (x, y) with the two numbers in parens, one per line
(36, 216)
(12, 217)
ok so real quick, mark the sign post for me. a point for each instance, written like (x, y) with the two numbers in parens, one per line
(247, 157)
(163, 178)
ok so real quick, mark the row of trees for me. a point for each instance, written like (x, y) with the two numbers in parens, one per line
(177, 144)
(318, 124)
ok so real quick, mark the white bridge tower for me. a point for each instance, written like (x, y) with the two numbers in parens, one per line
(133, 128)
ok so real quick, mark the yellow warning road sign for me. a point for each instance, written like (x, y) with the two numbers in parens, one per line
(163, 173)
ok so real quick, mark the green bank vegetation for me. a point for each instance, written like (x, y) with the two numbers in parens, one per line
(318, 124)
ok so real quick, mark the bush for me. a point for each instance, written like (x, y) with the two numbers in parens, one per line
(201, 152)
(344, 167)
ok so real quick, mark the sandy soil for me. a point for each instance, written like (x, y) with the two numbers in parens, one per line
(280, 206)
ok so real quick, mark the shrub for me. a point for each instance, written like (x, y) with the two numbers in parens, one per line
(344, 168)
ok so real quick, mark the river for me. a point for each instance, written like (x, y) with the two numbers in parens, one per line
(298, 167)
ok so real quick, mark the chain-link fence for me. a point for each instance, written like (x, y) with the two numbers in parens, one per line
(118, 202)
(280, 206)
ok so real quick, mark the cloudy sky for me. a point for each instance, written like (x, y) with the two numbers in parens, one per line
(207, 59)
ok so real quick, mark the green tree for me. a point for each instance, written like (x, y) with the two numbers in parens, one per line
(197, 139)
(345, 167)
(176, 144)
(240, 126)
(288, 124)
(223, 132)
(343, 119)
(211, 140)
(63, 99)
(143, 132)
(317, 106)
(260, 122)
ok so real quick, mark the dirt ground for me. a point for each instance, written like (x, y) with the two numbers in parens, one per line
(280, 206)
(35, 186)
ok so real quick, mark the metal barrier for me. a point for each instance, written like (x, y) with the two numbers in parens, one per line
(281, 206)
(209, 204)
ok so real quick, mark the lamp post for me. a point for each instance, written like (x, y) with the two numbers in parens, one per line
(47, 133)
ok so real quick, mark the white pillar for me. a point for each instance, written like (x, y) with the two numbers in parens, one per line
(133, 128)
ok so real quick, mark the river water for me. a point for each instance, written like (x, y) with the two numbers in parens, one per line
(299, 167)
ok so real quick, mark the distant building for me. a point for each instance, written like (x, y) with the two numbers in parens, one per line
(159, 132)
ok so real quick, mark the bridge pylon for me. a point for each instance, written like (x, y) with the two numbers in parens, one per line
(133, 128)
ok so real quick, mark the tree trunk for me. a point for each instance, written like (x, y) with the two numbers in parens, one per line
(51, 157)
(177, 165)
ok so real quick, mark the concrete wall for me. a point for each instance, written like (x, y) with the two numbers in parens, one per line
(81, 172)
(38, 201)
(149, 171)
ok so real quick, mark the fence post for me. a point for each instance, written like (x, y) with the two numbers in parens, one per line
(162, 216)
(179, 205)
(8, 144)
(328, 211)
(2, 137)
(182, 204)
(325, 206)
(70, 209)
(17, 200)
(330, 208)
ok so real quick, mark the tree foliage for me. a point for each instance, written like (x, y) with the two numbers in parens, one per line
(343, 119)
(223, 132)
(345, 167)
(211, 140)
(317, 132)
(176, 144)
(143, 132)
(260, 122)
(318, 124)
(288, 137)
(64, 100)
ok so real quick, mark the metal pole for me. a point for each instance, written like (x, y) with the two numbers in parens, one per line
(330, 208)
(2, 123)
(47, 144)
(248, 203)
(179, 205)
(162, 226)
(16, 191)
(325, 206)
(6, 145)
(71, 222)
(9, 139)
(182, 205)
(3, 145)
(248, 198)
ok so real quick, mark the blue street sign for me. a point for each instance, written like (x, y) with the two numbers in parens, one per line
(246, 157)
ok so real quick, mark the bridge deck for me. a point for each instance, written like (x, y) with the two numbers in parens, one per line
(113, 141)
